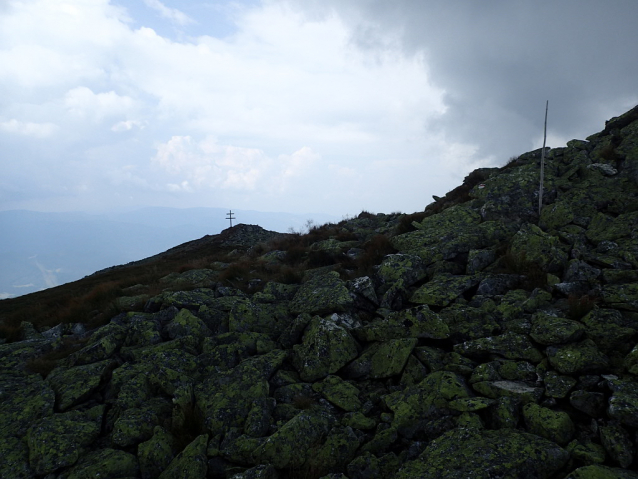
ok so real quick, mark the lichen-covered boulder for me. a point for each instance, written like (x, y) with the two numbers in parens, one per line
(605, 328)
(466, 323)
(72, 385)
(23, 400)
(59, 440)
(248, 316)
(508, 345)
(518, 390)
(419, 322)
(621, 296)
(137, 424)
(337, 451)
(483, 454)
(326, 347)
(339, 392)
(190, 463)
(553, 425)
(15, 458)
(586, 452)
(428, 400)
(443, 289)
(579, 357)
(225, 398)
(104, 463)
(601, 472)
(409, 268)
(556, 215)
(623, 403)
(322, 294)
(289, 446)
(557, 385)
(606, 228)
(549, 330)
(443, 236)
(618, 444)
(155, 454)
(382, 360)
(539, 248)
(186, 324)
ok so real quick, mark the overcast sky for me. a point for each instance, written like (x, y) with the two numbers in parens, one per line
(301, 106)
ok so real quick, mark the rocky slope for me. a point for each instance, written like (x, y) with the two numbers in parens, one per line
(489, 343)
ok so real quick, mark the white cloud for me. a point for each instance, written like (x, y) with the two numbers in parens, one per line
(83, 103)
(6, 295)
(172, 14)
(206, 164)
(128, 125)
(36, 130)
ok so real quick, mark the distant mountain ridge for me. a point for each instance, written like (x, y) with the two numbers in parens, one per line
(39, 250)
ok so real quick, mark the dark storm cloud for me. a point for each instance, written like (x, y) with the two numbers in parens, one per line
(499, 60)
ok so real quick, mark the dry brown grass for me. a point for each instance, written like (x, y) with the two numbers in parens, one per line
(44, 364)
(580, 306)
(512, 262)
(187, 423)
(374, 251)
(304, 401)
(405, 222)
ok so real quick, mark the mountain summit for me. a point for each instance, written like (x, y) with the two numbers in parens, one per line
(477, 338)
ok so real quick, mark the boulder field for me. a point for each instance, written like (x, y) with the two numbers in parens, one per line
(493, 342)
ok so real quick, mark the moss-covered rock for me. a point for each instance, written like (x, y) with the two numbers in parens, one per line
(322, 294)
(427, 400)
(326, 348)
(618, 444)
(443, 289)
(508, 345)
(407, 267)
(72, 385)
(290, 445)
(507, 453)
(623, 403)
(186, 324)
(190, 463)
(419, 322)
(156, 454)
(104, 463)
(579, 357)
(23, 400)
(513, 389)
(339, 392)
(225, 398)
(601, 472)
(549, 330)
(137, 424)
(586, 452)
(59, 440)
(553, 425)
(539, 248)
(336, 452)
(15, 458)
(248, 316)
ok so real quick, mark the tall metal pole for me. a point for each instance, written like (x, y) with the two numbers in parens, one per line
(540, 190)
